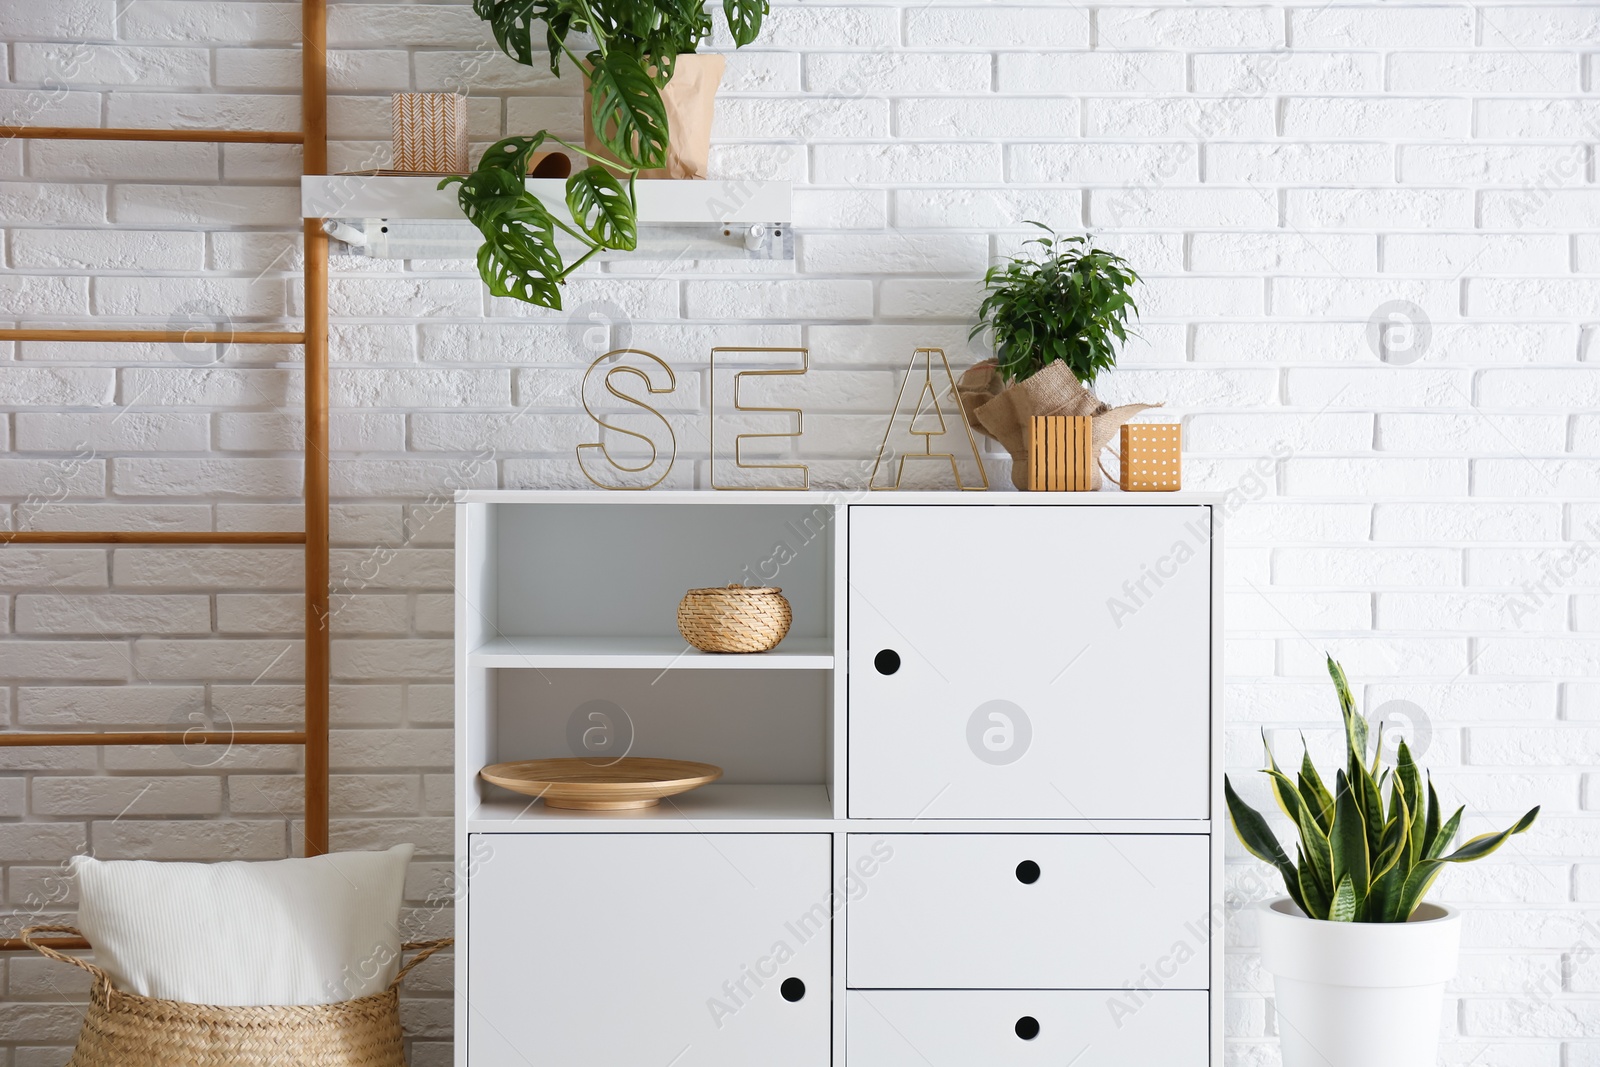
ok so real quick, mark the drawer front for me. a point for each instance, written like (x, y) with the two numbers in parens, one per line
(966, 1028)
(1027, 648)
(1029, 911)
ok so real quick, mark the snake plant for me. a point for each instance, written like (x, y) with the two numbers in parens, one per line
(1357, 861)
(636, 47)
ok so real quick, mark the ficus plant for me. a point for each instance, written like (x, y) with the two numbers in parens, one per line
(1069, 302)
(1357, 861)
(636, 44)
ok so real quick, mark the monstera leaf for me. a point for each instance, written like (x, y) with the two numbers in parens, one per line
(744, 19)
(498, 184)
(519, 257)
(603, 209)
(513, 24)
(626, 111)
(514, 155)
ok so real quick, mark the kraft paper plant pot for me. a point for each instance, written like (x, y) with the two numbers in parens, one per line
(1359, 994)
(691, 100)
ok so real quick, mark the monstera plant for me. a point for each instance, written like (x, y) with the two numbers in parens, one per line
(635, 48)
(1356, 860)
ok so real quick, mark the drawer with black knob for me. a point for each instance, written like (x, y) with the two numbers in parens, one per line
(1001, 1028)
(1030, 911)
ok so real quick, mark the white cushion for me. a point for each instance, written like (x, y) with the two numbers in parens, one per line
(298, 931)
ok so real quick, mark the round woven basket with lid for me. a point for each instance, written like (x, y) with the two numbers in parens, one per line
(734, 618)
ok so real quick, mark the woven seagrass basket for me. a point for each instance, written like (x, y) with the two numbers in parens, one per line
(127, 1030)
(734, 619)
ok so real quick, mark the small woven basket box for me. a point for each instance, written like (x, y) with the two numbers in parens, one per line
(734, 618)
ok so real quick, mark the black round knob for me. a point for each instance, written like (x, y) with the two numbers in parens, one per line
(1027, 872)
(792, 989)
(887, 661)
(1027, 1028)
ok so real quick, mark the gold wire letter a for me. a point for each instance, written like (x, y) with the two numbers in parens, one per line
(925, 413)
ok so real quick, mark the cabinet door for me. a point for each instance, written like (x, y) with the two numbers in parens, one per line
(1029, 661)
(1029, 911)
(643, 950)
(967, 1028)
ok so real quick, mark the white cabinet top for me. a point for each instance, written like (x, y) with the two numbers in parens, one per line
(823, 498)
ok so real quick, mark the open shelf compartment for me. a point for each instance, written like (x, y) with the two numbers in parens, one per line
(567, 616)
(587, 585)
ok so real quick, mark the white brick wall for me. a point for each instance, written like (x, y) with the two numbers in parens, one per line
(1278, 172)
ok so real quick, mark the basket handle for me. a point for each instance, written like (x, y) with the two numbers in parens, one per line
(46, 951)
(427, 948)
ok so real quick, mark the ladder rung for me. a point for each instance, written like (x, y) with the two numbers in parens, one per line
(110, 133)
(192, 337)
(151, 537)
(60, 944)
(161, 737)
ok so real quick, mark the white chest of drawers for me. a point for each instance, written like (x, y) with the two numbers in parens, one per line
(967, 810)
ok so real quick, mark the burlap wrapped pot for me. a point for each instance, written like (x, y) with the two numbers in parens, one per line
(1002, 412)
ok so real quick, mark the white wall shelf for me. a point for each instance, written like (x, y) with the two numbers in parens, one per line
(388, 216)
(359, 196)
(645, 653)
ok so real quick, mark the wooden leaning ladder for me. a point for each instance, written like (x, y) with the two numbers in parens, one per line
(313, 735)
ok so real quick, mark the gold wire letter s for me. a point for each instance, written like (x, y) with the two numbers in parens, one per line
(654, 470)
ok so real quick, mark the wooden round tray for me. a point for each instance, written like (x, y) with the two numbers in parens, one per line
(630, 782)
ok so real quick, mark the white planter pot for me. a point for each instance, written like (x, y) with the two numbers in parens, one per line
(1359, 994)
